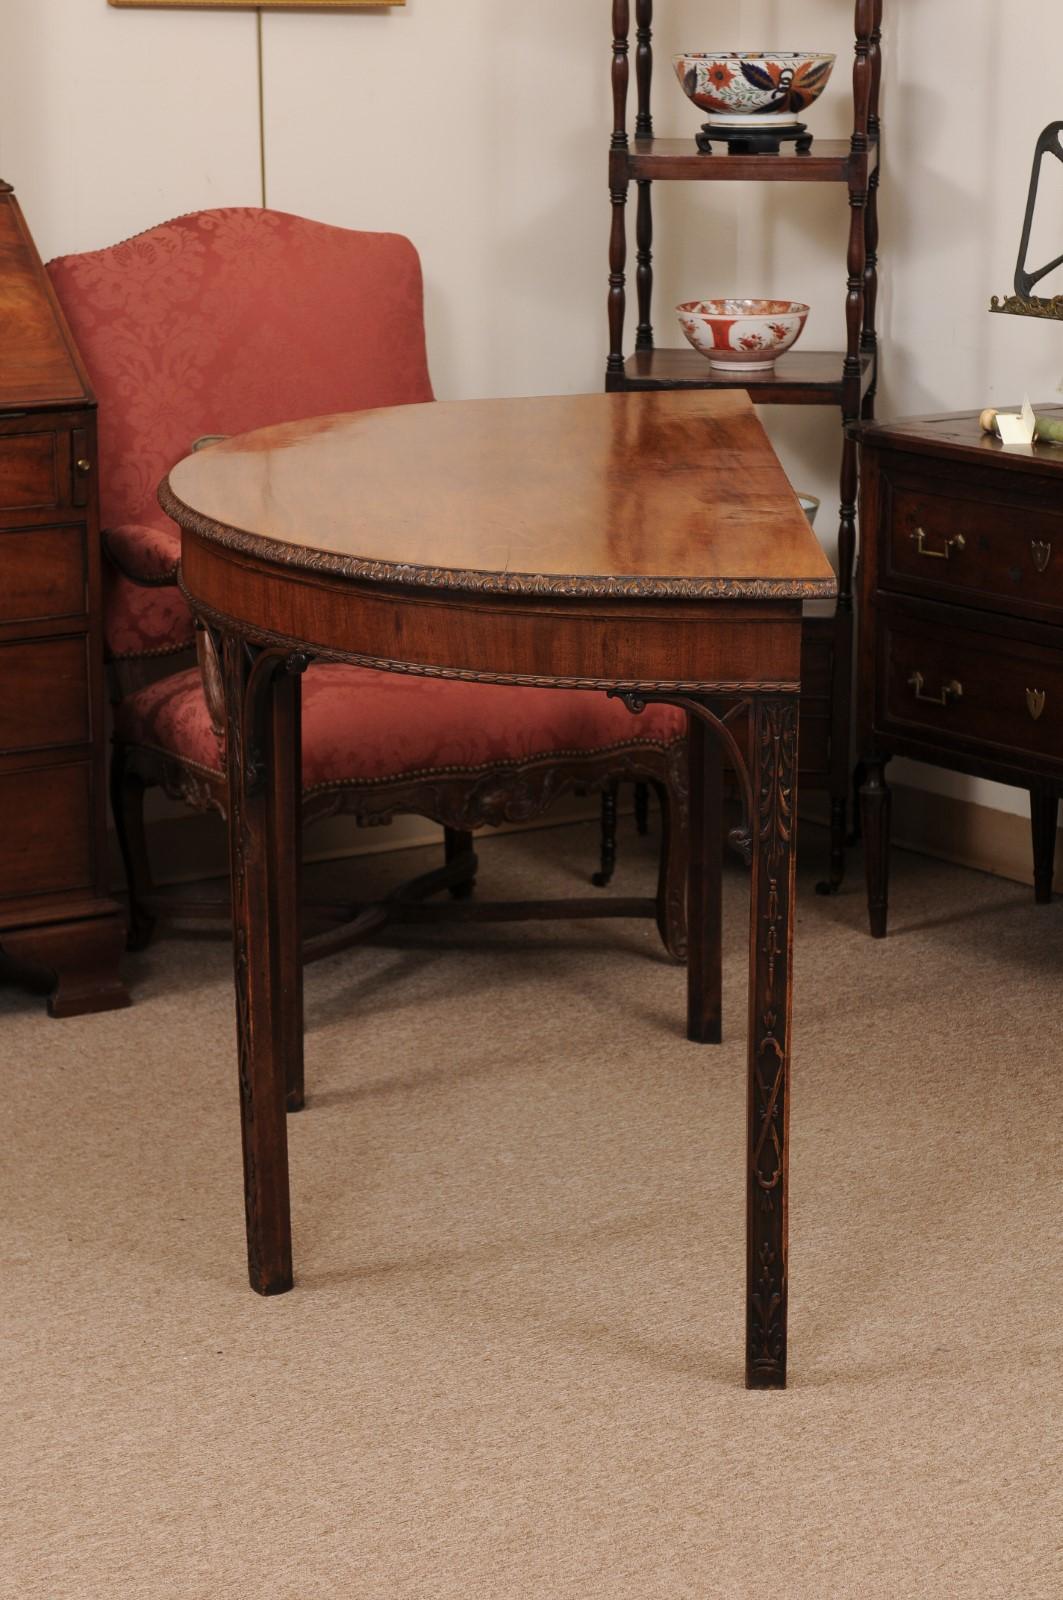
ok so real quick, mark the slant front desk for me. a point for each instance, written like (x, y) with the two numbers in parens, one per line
(645, 545)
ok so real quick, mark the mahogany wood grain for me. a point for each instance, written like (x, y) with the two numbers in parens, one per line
(44, 694)
(41, 365)
(43, 574)
(46, 846)
(802, 377)
(54, 909)
(518, 552)
(705, 890)
(29, 471)
(829, 161)
(653, 497)
(961, 599)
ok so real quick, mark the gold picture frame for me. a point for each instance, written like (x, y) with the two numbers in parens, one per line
(257, 5)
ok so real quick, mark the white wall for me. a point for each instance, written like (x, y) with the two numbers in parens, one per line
(480, 129)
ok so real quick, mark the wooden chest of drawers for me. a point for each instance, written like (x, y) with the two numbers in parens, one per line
(961, 621)
(55, 913)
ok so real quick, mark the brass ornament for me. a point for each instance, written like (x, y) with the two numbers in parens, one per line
(1035, 703)
(1041, 552)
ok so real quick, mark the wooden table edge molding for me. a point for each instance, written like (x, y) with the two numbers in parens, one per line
(302, 542)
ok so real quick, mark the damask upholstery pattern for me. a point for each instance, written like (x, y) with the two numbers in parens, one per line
(361, 726)
(220, 322)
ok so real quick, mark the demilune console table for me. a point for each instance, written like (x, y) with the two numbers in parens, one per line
(645, 545)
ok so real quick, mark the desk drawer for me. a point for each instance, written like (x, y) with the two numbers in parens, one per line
(44, 694)
(962, 687)
(43, 574)
(47, 845)
(29, 471)
(981, 552)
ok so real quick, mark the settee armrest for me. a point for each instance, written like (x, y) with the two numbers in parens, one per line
(143, 553)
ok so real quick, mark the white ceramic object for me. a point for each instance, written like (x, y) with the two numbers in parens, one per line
(742, 335)
(746, 89)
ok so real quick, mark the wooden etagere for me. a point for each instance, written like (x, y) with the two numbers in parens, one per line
(845, 379)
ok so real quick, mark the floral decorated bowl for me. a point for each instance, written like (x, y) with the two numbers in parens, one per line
(740, 89)
(742, 335)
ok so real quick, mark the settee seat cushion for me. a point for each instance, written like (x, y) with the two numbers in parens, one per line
(362, 726)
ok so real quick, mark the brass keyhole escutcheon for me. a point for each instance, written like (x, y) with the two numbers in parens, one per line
(1035, 702)
(1041, 552)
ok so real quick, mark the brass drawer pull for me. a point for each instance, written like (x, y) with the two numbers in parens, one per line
(1035, 703)
(1042, 554)
(957, 543)
(83, 465)
(953, 690)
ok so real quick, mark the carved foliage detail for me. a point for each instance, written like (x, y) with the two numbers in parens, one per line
(776, 768)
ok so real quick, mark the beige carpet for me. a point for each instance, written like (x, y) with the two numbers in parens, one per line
(512, 1366)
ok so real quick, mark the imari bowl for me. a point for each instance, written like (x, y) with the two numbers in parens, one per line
(740, 89)
(742, 335)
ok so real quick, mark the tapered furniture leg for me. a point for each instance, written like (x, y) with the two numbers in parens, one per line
(859, 774)
(875, 808)
(263, 762)
(774, 784)
(672, 870)
(286, 862)
(1044, 815)
(704, 886)
(607, 865)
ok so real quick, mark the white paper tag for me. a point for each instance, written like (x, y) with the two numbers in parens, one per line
(1015, 428)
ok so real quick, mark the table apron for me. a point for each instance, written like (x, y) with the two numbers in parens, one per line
(682, 645)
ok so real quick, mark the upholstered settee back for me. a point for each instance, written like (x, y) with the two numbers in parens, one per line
(227, 320)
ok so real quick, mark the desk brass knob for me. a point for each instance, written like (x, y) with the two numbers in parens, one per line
(953, 690)
(84, 465)
(957, 543)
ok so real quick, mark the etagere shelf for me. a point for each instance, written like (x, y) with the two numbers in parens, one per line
(846, 379)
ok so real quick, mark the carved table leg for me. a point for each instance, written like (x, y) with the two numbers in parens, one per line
(1044, 815)
(263, 761)
(774, 780)
(875, 809)
(705, 886)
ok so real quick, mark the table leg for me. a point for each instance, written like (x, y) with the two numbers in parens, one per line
(262, 701)
(774, 785)
(705, 885)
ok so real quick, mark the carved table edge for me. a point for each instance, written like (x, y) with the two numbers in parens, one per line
(267, 639)
(563, 586)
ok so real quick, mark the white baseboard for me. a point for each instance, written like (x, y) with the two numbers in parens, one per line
(192, 846)
(961, 831)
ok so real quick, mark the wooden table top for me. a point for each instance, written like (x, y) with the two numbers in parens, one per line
(959, 434)
(656, 495)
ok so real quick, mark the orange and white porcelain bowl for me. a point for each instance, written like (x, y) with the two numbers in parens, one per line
(742, 335)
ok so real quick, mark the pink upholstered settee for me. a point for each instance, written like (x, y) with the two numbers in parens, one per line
(227, 320)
